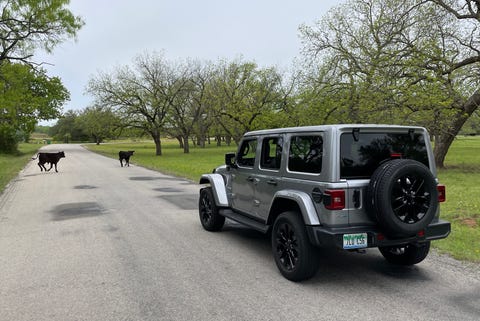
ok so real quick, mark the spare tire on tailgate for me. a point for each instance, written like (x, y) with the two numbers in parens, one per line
(402, 197)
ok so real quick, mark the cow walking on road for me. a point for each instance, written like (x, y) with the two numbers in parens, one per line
(125, 155)
(51, 158)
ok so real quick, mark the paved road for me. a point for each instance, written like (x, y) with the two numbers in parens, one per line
(100, 242)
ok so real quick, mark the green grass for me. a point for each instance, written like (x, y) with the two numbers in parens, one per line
(172, 161)
(462, 208)
(11, 164)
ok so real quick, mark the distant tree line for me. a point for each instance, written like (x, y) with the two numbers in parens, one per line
(190, 100)
(91, 124)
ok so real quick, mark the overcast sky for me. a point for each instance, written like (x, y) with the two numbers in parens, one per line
(264, 31)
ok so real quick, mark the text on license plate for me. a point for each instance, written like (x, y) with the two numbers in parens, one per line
(355, 241)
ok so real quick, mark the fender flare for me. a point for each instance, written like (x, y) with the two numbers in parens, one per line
(218, 188)
(305, 203)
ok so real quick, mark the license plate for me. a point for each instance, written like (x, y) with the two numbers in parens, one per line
(355, 241)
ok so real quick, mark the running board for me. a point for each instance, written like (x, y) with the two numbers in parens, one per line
(242, 219)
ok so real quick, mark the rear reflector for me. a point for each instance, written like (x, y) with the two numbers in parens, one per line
(334, 200)
(442, 193)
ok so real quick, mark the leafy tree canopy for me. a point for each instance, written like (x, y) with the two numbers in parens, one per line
(26, 96)
(385, 61)
(26, 25)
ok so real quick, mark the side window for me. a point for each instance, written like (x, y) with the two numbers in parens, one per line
(246, 153)
(305, 154)
(271, 153)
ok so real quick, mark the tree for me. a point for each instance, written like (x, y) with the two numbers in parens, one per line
(188, 110)
(68, 129)
(463, 67)
(141, 96)
(245, 96)
(26, 95)
(99, 123)
(382, 61)
(29, 24)
(183, 108)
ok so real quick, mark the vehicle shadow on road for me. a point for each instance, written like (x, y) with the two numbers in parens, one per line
(337, 266)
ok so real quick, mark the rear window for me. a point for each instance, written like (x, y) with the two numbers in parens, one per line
(362, 153)
(306, 153)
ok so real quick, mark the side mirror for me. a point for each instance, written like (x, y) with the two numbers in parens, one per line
(230, 160)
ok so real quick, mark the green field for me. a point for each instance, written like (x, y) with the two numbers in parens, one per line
(461, 176)
(173, 161)
(462, 208)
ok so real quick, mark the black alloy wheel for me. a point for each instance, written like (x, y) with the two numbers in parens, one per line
(296, 258)
(410, 199)
(208, 211)
(287, 246)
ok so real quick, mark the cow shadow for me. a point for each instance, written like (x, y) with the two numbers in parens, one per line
(32, 175)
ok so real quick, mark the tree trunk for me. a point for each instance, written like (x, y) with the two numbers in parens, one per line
(158, 142)
(180, 141)
(201, 141)
(186, 147)
(442, 144)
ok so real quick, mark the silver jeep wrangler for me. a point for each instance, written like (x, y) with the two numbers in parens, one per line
(345, 186)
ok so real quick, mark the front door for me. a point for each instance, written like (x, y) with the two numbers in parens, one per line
(243, 180)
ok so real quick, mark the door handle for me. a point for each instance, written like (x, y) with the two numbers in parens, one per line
(272, 182)
(254, 180)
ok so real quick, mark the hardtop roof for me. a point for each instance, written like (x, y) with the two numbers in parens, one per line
(338, 127)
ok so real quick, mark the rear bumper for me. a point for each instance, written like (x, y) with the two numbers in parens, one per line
(333, 237)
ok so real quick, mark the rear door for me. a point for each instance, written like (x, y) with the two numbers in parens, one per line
(268, 178)
(363, 151)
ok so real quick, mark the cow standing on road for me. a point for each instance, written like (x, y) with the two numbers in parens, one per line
(125, 155)
(51, 158)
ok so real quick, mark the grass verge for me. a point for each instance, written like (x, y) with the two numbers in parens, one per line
(11, 164)
(462, 208)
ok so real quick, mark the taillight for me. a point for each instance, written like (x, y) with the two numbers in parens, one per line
(334, 199)
(442, 196)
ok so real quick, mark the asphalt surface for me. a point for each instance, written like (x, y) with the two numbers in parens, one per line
(100, 242)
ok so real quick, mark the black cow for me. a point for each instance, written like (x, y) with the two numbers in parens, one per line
(125, 155)
(51, 158)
